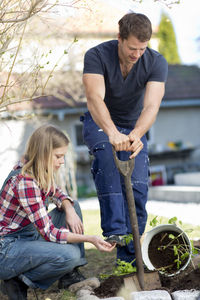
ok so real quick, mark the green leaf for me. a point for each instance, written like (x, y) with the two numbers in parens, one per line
(171, 236)
(154, 221)
(175, 250)
(173, 220)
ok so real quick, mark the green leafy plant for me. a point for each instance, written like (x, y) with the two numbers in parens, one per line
(180, 250)
(128, 238)
(176, 244)
(155, 221)
(122, 268)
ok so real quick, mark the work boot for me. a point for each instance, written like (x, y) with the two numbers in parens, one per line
(119, 240)
(70, 278)
(14, 288)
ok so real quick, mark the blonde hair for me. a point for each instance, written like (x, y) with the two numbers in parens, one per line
(39, 156)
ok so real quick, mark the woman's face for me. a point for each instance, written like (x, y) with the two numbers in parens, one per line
(59, 157)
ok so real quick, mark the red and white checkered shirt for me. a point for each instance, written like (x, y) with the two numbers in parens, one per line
(22, 202)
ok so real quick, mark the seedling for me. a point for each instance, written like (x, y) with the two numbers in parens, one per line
(123, 267)
(173, 244)
(180, 250)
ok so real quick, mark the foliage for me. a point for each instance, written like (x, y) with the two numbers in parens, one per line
(122, 268)
(167, 41)
(168, 3)
(181, 250)
(155, 221)
(25, 68)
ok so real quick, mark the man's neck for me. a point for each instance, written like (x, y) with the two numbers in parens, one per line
(124, 65)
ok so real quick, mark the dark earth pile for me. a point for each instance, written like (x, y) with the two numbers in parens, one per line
(185, 281)
(188, 279)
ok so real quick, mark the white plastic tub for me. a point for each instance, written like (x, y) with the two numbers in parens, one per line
(148, 237)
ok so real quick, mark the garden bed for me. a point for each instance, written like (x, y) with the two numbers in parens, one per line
(184, 281)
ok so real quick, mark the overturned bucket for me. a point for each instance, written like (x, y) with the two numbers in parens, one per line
(167, 249)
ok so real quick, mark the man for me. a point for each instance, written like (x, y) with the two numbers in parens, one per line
(124, 82)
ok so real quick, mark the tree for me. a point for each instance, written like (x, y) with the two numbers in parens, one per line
(23, 24)
(167, 41)
(24, 79)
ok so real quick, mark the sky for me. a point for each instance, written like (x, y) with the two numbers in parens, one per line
(185, 18)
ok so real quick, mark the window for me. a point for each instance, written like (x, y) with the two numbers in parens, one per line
(79, 136)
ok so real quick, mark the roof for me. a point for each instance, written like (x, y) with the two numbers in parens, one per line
(182, 89)
(183, 83)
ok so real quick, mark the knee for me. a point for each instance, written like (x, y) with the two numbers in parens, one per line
(71, 255)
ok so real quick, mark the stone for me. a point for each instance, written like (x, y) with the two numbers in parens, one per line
(150, 295)
(89, 282)
(88, 297)
(114, 298)
(186, 294)
(83, 292)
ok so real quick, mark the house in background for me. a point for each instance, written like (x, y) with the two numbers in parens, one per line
(174, 141)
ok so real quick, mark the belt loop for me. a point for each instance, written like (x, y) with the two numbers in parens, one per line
(82, 118)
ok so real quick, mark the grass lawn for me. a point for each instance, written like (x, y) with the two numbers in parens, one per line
(91, 219)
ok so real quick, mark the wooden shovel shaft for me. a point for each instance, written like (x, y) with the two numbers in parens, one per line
(126, 169)
(135, 231)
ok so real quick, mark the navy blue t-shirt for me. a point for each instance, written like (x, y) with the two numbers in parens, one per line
(124, 97)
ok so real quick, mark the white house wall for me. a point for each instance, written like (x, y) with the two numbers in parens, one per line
(180, 124)
(15, 133)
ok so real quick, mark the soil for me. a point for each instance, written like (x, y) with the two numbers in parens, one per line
(185, 281)
(161, 251)
(188, 279)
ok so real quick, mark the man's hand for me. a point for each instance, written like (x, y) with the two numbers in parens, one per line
(73, 222)
(136, 144)
(120, 141)
(123, 142)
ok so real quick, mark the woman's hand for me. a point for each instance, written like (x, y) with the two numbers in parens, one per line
(101, 245)
(73, 222)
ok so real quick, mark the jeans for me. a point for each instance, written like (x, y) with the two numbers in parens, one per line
(36, 262)
(111, 188)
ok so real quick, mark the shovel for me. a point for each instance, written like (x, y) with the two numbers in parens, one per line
(126, 169)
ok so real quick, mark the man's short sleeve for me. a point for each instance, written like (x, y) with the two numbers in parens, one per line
(159, 70)
(93, 63)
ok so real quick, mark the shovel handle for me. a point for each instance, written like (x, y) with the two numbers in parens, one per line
(135, 231)
(126, 169)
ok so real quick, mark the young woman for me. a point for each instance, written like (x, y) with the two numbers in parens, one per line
(36, 247)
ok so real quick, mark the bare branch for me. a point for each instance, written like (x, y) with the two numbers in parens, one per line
(35, 7)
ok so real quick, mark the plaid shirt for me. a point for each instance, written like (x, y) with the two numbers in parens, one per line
(22, 202)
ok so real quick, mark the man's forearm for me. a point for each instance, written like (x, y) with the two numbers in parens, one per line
(101, 116)
(145, 121)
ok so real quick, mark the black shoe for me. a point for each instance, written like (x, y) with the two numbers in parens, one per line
(70, 278)
(14, 288)
(116, 239)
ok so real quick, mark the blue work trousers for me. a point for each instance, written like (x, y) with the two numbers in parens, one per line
(36, 262)
(111, 188)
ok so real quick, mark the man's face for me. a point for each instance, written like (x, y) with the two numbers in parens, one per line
(131, 49)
